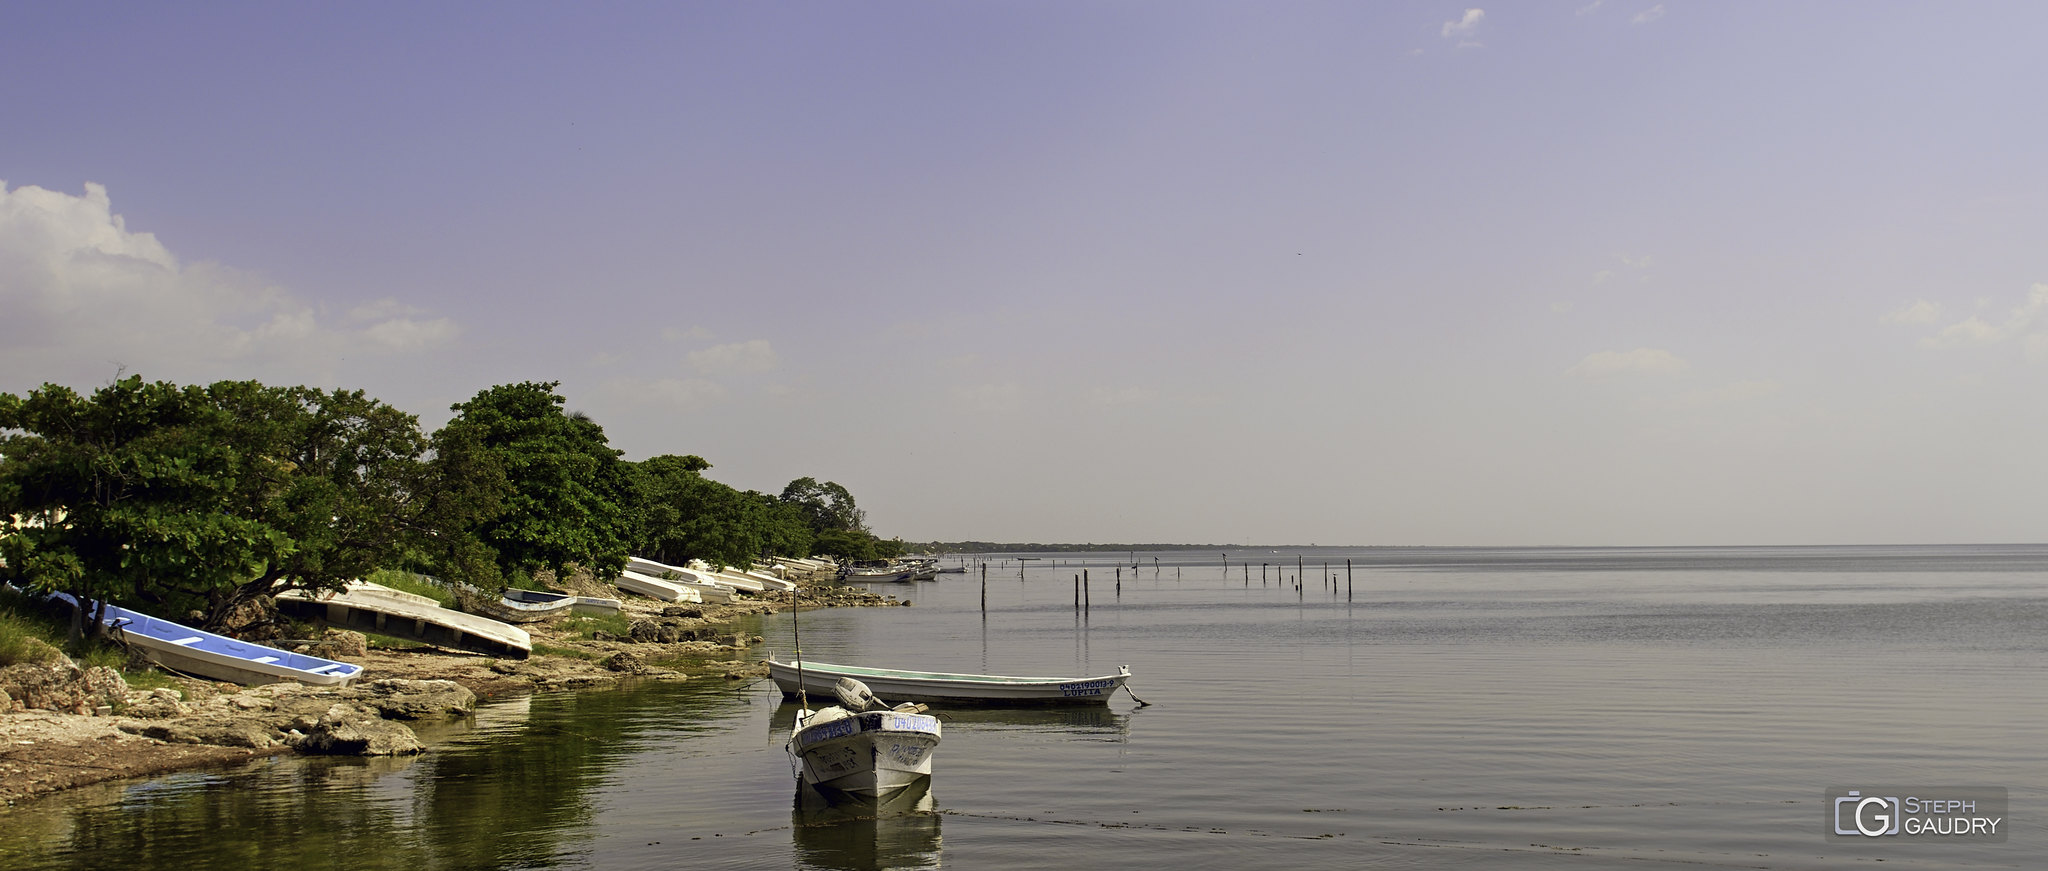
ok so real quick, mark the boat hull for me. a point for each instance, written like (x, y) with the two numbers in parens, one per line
(873, 754)
(655, 588)
(181, 648)
(369, 608)
(949, 689)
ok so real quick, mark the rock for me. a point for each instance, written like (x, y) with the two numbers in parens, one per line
(63, 687)
(157, 704)
(415, 699)
(6, 703)
(340, 644)
(682, 611)
(625, 662)
(347, 734)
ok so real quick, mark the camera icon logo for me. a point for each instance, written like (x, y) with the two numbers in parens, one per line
(1868, 815)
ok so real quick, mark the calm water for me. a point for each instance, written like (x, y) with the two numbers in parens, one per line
(1483, 708)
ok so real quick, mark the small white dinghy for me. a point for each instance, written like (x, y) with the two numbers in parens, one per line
(871, 755)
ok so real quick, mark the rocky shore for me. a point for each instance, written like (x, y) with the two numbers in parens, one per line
(62, 726)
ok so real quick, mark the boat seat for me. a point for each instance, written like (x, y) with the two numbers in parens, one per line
(266, 660)
(184, 640)
(325, 668)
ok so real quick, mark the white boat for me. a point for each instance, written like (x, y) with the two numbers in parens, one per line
(653, 587)
(181, 648)
(372, 608)
(595, 606)
(886, 575)
(767, 581)
(866, 754)
(947, 688)
(708, 588)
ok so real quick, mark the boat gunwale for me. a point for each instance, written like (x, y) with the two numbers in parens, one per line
(956, 677)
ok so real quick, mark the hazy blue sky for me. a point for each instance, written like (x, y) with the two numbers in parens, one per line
(1362, 273)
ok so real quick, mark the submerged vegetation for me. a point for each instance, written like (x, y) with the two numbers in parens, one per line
(192, 502)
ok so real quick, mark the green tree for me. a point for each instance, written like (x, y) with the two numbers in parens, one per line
(683, 515)
(825, 506)
(187, 499)
(106, 497)
(565, 497)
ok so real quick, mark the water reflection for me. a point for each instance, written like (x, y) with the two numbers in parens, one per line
(862, 834)
(530, 766)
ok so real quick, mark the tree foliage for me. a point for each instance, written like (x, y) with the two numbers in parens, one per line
(684, 515)
(188, 499)
(197, 499)
(565, 494)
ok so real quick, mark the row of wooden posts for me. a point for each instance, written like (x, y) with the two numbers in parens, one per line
(1082, 587)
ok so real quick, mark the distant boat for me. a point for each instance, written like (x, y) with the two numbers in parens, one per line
(946, 688)
(655, 588)
(505, 609)
(885, 575)
(181, 648)
(372, 608)
(594, 606)
(865, 754)
(708, 586)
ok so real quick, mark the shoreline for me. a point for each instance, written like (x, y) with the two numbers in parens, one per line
(150, 733)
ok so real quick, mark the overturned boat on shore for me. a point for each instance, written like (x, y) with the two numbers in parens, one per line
(368, 607)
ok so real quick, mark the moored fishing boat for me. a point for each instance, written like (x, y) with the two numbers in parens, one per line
(861, 753)
(385, 611)
(948, 688)
(181, 648)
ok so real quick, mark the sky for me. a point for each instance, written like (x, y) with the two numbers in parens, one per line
(1594, 272)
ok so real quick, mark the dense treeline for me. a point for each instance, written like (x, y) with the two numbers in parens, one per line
(189, 499)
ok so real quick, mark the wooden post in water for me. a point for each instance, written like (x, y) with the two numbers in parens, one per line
(1347, 579)
(1120, 580)
(1085, 603)
(1077, 594)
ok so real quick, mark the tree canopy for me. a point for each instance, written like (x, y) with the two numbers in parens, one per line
(191, 500)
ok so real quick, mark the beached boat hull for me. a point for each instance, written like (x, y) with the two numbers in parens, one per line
(656, 588)
(371, 608)
(945, 688)
(872, 754)
(593, 606)
(181, 648)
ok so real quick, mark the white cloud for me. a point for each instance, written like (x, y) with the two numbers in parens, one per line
(738, 358)
(1464, 26)
(2020, 323)
(1641, 361)
(1919, 311)
(1590, 8)
(1648, 15)
(81, 294)
(1558, 308)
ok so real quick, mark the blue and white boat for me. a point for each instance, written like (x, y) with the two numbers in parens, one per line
(869, 755)
(183, 649)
